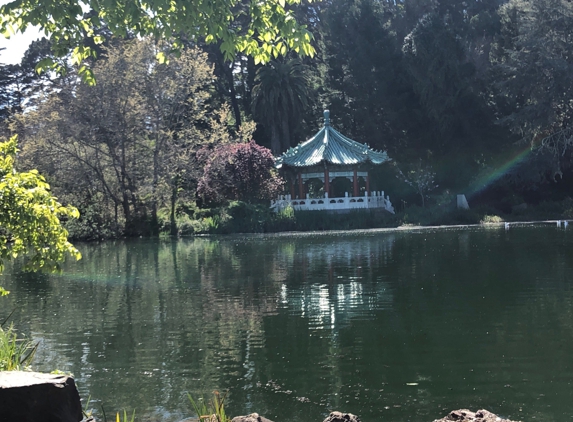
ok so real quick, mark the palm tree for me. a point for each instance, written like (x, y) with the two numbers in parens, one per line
(280, 96)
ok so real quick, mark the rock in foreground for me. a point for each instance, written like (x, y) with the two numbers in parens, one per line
(464, 415)
(36, 397)
(253, 417)
(342, 417)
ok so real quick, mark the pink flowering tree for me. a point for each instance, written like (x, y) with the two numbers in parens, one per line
(241, 171)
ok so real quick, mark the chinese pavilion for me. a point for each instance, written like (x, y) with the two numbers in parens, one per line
(330, 172)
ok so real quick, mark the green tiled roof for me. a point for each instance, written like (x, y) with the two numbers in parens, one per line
(331, 146)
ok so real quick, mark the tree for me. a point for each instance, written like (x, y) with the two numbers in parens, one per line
(30, 217)
(421, 178)
(268, 30)
(364, 83)
(118, 148)
(533, 66)
(531, 84)
(442, 77)
(280, 96)
(241, 171)
(7, 100)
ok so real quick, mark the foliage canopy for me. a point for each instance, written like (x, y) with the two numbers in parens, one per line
(280, 96)
(126, 147)
(261, 29)
(29, 217)
(447, 88)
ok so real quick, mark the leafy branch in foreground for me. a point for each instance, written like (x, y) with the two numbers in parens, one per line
(261, 29)
(30, 217)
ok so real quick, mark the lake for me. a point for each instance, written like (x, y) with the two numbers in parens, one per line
(394, 326)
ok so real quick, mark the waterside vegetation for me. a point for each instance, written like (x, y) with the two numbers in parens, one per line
(212, 410)
(242, 217)
(16, 353)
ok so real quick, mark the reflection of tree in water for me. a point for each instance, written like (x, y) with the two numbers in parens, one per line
(141, 311)
(140, 323)
(148, 310)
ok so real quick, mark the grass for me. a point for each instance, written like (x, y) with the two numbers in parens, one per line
(125, 417)
(16, 354)
(119, 417)
(212, 411)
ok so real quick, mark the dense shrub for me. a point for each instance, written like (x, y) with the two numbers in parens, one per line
(242, 171)
(91, 225)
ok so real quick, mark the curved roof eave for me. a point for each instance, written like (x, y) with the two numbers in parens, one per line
(329, 145)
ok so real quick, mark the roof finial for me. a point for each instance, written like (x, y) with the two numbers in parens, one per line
(326, 118)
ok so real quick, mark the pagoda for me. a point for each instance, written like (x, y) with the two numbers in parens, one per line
(330, 172)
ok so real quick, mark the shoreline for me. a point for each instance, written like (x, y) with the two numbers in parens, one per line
(403, 228)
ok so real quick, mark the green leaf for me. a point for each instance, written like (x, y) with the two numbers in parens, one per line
(162, 58)
(87, 76)
(44, 64)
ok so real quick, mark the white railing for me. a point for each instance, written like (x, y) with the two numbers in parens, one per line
(376, 200)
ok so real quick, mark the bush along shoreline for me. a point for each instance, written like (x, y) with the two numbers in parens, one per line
(241, 217)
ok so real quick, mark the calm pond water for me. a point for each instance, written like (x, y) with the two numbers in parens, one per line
(393, 326)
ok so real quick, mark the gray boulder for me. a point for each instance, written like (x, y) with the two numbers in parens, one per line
(253, 417)
(36, 397)
(465, 415)
(342, 417)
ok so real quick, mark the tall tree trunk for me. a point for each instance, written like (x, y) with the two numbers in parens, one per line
(275, 140)
(154, 220)
(126, 210)
(174, 189)
(250, 83)
(285, 139)
(124, 187)
(227, 81)
(233, 94)
(116, 217)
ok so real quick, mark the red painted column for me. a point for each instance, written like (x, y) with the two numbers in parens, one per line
(355, 183)
(300, 187)
(326, 182)
(368, 183)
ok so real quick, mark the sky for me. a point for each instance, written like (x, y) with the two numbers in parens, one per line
(16, 46)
